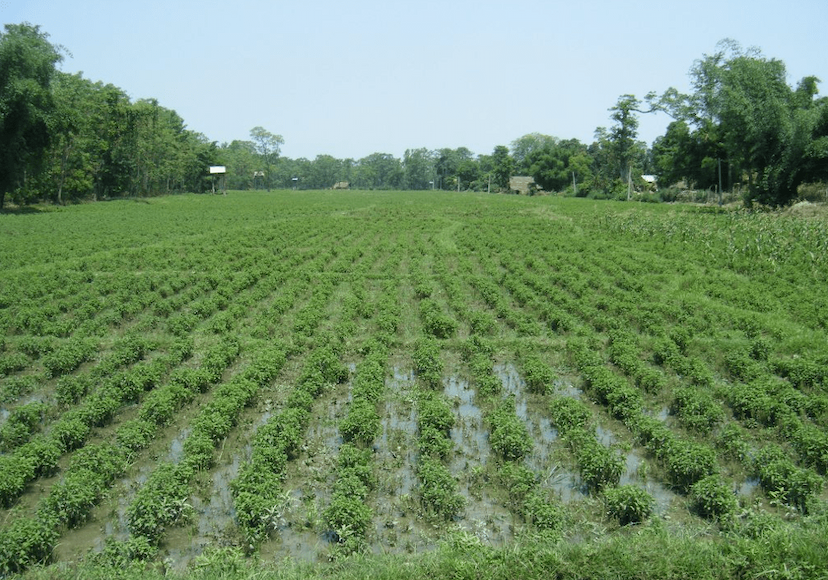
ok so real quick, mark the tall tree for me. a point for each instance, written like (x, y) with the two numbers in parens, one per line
(622, 135)
(765, 128)
(418, 166)
(268, 146)
(27, 66)
(523, 147)
(502, 167)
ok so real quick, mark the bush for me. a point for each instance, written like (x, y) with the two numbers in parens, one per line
(696, 409)
(712, 498)
(509, 436)
(538, 375)
(547, 516)
(438, 489)
(628, 504)
(362, 425)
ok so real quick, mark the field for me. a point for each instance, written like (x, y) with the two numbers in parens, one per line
(413, 383)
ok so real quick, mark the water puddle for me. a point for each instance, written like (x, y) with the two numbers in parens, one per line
(529, 409)
(216, 515)
(567, 389)
(747, 487)
(469, 435)
(635, 473)
(605, 436)
(176, 453)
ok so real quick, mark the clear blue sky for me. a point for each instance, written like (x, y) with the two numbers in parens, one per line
(354, 78)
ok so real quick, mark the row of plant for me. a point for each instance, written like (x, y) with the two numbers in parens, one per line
(348, 515)
(438, 492)
(696, 409)
(257, 490)
(26, 419)
(93, 468)
(162, 500)
(511, 441)
(41, 454)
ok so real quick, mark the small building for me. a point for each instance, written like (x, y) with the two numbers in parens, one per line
(651, 181)
(523, 185)
(342, 185)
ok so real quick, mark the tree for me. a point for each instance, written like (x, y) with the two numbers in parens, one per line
(764, 128)
(502, 167)
(268, 147)
(379, 171)
(72, 171)
(622, 135)
(523, 147)
(418, 168)
(27, 66)
(551, 166)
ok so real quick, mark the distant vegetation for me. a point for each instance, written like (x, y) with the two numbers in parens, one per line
(743, 130)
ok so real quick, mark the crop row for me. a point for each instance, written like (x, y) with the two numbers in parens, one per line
(93, 468)
(348, 515)
(161, 501)
(257, 490)
(438, 488)
(510, 439)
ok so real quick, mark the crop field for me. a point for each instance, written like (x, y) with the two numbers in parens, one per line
(307, 375)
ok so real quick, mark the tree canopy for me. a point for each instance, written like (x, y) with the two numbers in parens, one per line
(64, 137)
(743, 110)
(27, 67)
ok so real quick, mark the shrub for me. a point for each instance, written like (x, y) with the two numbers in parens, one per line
(435, 322)
(687, 462)
(438, 489)
(69, 389)
(599, 466)
(712, 498)
(509, 436)
(783, 480)
(568, 414)
(362, 425)
(434, 443)
(545, 515)
(538, 375)
(696, 409)
(628, 504)
(435, 412)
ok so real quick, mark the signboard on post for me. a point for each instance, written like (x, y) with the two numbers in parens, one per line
(221, 171)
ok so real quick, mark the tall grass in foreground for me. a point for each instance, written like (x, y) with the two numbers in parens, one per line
(770, 548)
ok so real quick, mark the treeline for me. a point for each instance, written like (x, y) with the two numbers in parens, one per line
(64, 138)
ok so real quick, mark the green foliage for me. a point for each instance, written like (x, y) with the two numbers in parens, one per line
(628, 504)
(435, 322)
(27, 67)
(427, 362)
(538, 375)
(438, 489)
(713, 498)
(783, 480)
(696, 409)
(362, 424)
(508, 436)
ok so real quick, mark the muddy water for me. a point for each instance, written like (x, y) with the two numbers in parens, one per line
(397, 525)
(484, 515)
(635, 473)
(300, 530)
(531, 409)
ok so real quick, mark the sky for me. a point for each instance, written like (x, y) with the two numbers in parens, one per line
(350, 79)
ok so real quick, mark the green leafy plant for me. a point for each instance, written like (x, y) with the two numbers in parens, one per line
(628, 504)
